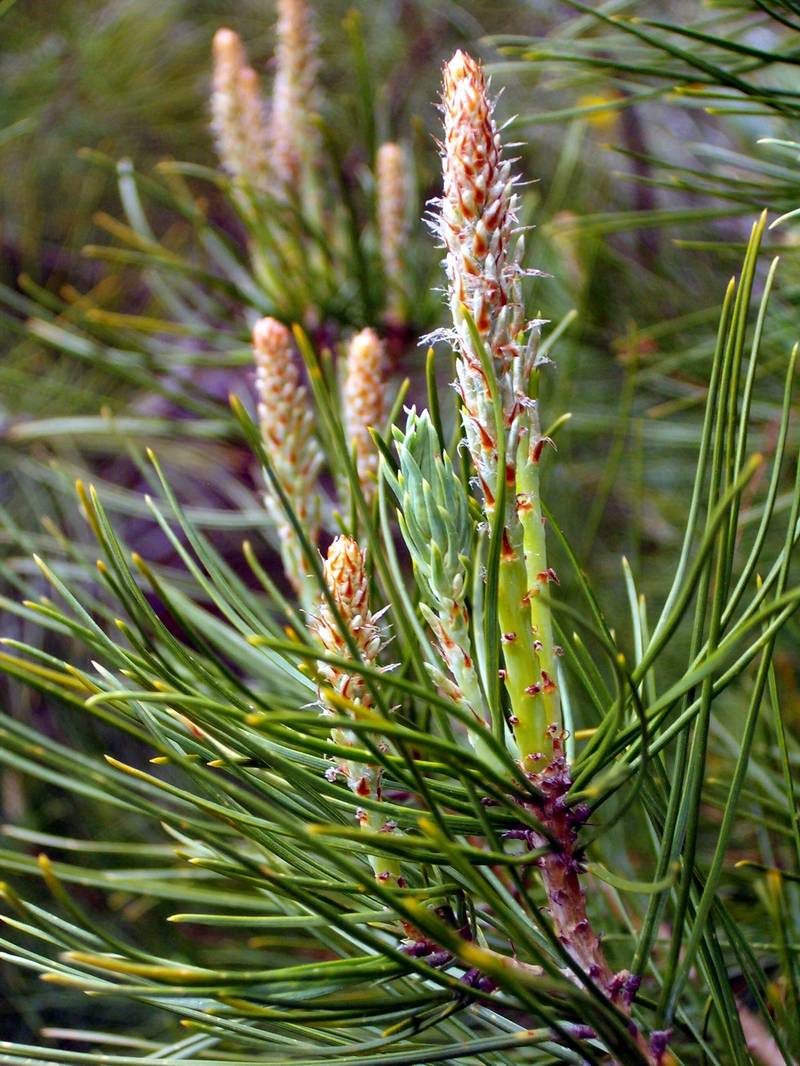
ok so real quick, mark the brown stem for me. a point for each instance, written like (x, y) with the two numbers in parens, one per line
(561, 869)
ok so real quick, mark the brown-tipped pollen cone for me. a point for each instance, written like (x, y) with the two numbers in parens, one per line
(476, 221)
(286, 418)
(348, 584)
(345, 573)
(295, 96)
(364, 402)
(229, 60)
(478, 211)
(237, 112)
(392, 181)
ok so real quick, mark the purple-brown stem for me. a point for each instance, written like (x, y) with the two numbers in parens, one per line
(560, 869)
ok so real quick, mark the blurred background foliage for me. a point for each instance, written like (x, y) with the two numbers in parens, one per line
(131, 78)
(641, 122)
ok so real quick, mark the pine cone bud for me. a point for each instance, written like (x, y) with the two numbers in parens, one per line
(364, 402)
(287, 426)
(476, 219)
(238, 112)
(346, 578)
(478, 208)
(294, 136)
(393, 227)
(434, 519)
(254, 124)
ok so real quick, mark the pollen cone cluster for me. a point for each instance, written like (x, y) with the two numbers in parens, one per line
(238, 112)
(293, 133)
(364, 402)
(287, 427)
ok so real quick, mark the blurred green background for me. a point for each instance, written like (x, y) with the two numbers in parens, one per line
(131, 78)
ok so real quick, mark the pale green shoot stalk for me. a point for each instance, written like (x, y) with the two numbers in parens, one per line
(538, 574)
